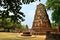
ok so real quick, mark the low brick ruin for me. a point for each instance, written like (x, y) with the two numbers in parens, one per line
(52, 36)
(26, 32)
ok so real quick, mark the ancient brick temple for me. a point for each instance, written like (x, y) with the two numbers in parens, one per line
(41, 23)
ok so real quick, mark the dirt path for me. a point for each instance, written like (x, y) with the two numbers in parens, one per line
(17, 36)
(33, 37)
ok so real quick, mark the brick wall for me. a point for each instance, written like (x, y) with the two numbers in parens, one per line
(52, 36)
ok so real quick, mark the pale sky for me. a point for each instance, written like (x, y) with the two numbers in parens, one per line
(29, 11)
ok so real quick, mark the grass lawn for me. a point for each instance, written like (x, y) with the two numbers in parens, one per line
(15, 36)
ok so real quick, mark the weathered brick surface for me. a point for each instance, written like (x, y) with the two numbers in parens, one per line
(41, 21)
(52, 36)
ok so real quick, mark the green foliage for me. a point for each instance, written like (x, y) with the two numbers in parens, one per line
(54, 5)
(12, 6)
(23, 27)
(8, 25)
(53, 25)
(56, 17)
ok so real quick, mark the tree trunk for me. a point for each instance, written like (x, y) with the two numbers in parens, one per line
(59, 29)
(8, 30)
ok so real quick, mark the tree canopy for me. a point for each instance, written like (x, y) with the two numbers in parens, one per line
(12, 6)
(54, 5)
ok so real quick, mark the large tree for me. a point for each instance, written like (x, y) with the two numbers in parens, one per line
(12, 6)
(54, 5)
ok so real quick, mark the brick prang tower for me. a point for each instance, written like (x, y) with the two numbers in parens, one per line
(41, 23)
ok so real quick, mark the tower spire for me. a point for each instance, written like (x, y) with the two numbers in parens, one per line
(41, 22)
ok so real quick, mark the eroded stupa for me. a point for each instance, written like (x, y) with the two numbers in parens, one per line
(41, 22)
